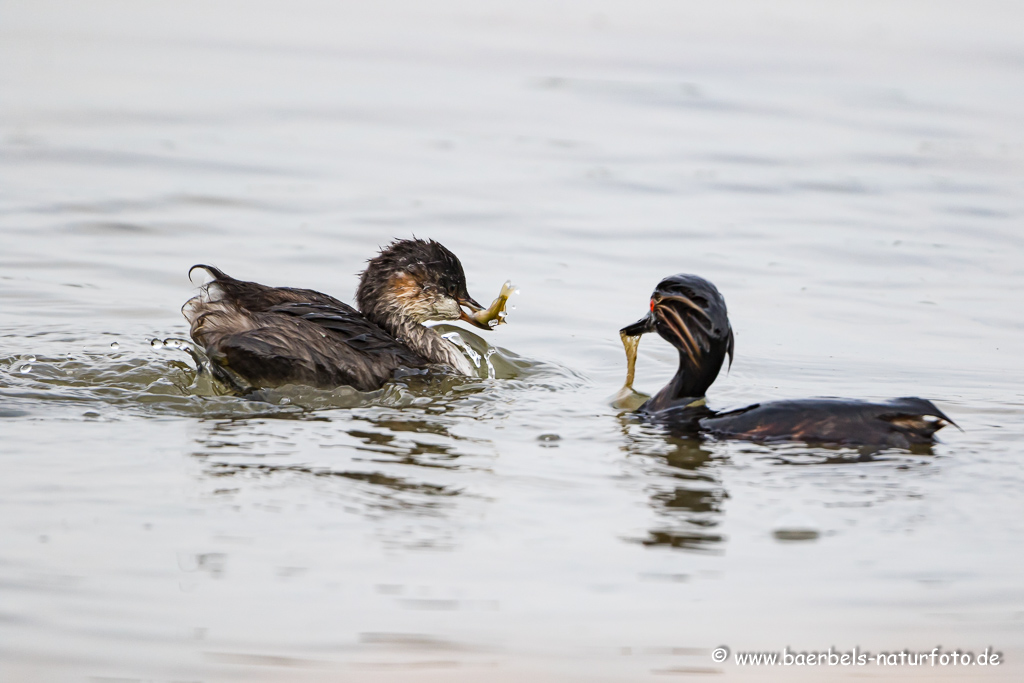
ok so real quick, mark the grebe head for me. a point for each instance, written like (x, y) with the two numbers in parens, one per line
(416, 280)
(689, 313)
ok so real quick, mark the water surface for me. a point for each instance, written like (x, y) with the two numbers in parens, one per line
(851, 179)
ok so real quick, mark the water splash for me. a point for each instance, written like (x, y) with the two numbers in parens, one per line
(172, 376)
(467, 350)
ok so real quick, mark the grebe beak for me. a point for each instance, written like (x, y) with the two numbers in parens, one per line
(641, 326)
(473, 322)
(470, 303)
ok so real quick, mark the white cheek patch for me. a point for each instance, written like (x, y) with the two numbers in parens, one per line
(446, 308)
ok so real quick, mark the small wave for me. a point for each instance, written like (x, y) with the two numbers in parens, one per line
(170, 376)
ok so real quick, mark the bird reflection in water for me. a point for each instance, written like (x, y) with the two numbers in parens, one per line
(688, 493)
(685, 489)
(391, 443)
(393, 494)
(377, 460)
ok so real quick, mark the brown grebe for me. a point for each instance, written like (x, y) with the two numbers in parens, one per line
(259, 336)
(690, 313)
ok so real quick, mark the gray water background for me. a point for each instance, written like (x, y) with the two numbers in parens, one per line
(851, 178)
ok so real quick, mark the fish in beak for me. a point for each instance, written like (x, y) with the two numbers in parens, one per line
(471, 303)
(494, 315)
(627, 398)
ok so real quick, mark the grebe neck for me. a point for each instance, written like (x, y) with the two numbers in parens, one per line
(688, 384)
(428, 343)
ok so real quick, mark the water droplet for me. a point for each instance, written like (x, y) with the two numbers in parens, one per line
(29, 358)
(284, 401)
(513, 307)
(115, 345)
(549, 437)
(155, 343)
(25, 369)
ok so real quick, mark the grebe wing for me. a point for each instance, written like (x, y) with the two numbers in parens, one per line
(900, 422)
(349, 326)
(300, 343)
(253, 296)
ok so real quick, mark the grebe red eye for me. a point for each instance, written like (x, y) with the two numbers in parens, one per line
(652, 304)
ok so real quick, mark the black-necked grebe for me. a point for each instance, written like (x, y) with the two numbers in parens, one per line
(259, 336)
(690, 313)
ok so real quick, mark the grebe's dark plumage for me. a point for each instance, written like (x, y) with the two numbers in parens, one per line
(690, 313)
(259, 336)
(901, 422)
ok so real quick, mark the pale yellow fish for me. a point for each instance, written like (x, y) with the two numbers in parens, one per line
(627, 398)
(495, 313)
